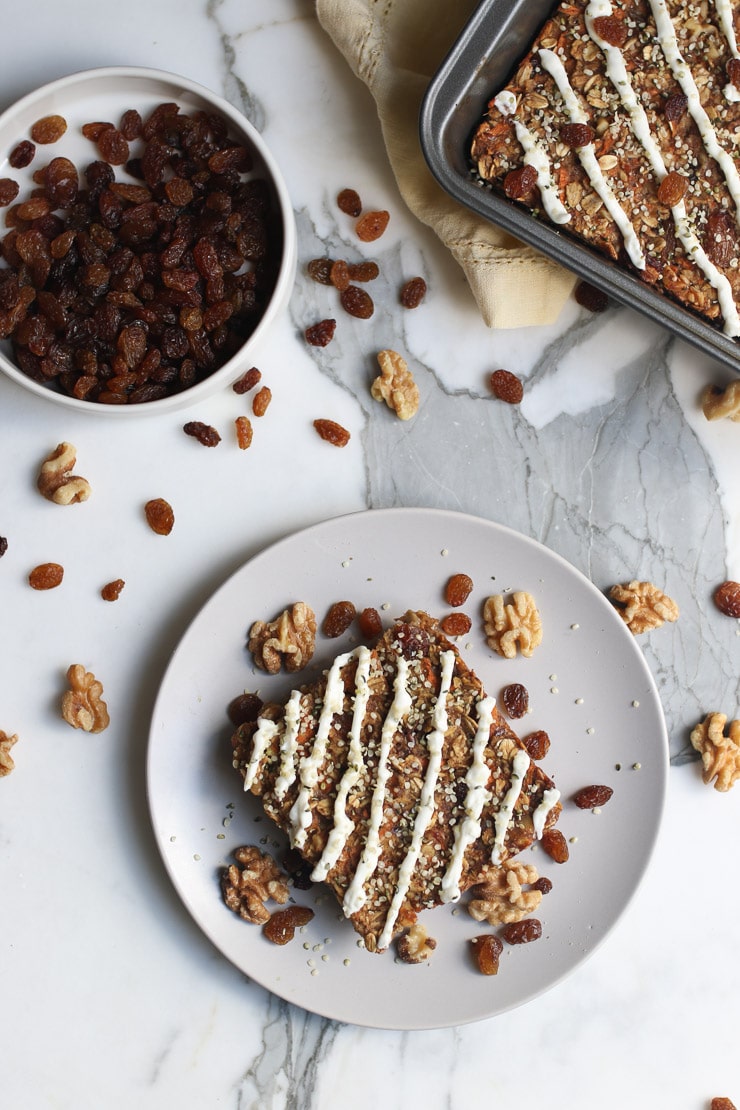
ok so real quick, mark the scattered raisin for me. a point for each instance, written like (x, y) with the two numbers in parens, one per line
(733, 72)
(48, 130)
(46, 576)
(261, 401)
(537, 744)
(338, 619)
(458, 589)
(111, 591)
(611, 29)
(520, 182)
(282, 925)
(321, 334)
(543, 884)
(204, 433)
(21, 155)
(370, 623)
(727, 598)
(718, 238)
(371, 226)
(507, 387)
(487, 951)
(247, 381)
(319, 269)
(672, 189)
(339, 275)
(357, 302)
(298, 869)
(722, 1104)
(522, 932)
(588, 296)
(588, 797)
(348, 201)
(332, 432)
(9, 190)
(3, 546)
(675, 106)
(363, 271)
(516, 699)
(576, 134)
(244, 432)
(413, 292)
(412, 641)
(159, 516)
(555, 844)
(244, 708)
(456, 624)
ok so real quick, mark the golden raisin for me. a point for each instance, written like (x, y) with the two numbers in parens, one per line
(611, 29)
(243, 432)
(363, 271)
(112, 590)
(49, 129)
(555, 845)
(46, 576)
(371, 226)
(159, 516)
(456, 624)
(487, 951)
(332, 432)
(458, 589)
(282, 925)
(261, 401)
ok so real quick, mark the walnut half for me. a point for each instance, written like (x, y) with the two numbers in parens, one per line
(6, 760)
(82, 705)
(288, 640)
(56, 480)
(414, 946)
(719, 403)
(513, 624)
(720, 753)
(501, 898)
(257, 880)
(642, 606)
(395, 385)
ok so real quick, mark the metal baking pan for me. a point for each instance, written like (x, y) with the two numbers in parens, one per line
(481, 62)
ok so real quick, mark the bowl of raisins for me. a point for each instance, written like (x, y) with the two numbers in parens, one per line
(148, 243)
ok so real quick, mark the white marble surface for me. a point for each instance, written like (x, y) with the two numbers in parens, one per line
(110, 997)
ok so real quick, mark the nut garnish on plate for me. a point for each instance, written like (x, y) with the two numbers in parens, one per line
(255, 881)
(513, 624)
(395, 385)
(718, 403)
(82, 705)
(6, 760)
(720, 753)
(501, 898)
(57, 482)
(642, 606)
(415, 946)
(288, 640)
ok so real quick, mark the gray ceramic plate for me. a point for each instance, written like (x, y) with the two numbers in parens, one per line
(589, 688)
(480, 63)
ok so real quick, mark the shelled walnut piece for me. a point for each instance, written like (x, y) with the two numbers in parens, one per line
(395, 385)
(720, 753)
(57, 482)
(255, 881)
(415, 946)
(288, 641)
(511, 625)
(719, 403)
(501, 898)
(642, 606)
(6, 759)
(82, 705)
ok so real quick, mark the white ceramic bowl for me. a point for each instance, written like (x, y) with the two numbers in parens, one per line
(105, 94)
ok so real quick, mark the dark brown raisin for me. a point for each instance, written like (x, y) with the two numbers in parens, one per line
(332, 432)
(247, 381)
(519, 183)
(487, 951)
(61, 182)
(321, 334)
(204, 433)
(282, 925)
(611, 29)
(555, 844)
(576, 134)
(719, 237)
(543, 884)
(672, 189)
(46, 576)
(412, 641)
(458, 589)
(94, 129)
(589, 797)
(516, 699)
(537, 744)
(507, 387)
(159, 516)
(9, 190)
(370, 623)
(733, 72)
(522, 932)
(357, 302)
(298, 869)
(456, 624)
(319, 269)
(261, 400)
(3, 546)
(363, 271)
(339, 275)
(21, 155)
(727, 598)
(244, 708)
(338, 619)
(675, 107)
(111, 591)
(413, 292)
(371, 226)
(49, 129)
(588, 296)
(348, 201)
(131, 124)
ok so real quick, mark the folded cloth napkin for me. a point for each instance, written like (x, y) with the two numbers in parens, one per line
(395, 47)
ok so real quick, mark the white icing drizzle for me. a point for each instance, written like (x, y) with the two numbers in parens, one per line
(355, 895)
(308, 770)
(505, 812)
(266, 729)
(343, 824)
(617, 73)
(435, 743)
(550, 799)
(587, 157)
(476, 780)
(536, 156)
(289, 745)
(669, 45)
(724, 15)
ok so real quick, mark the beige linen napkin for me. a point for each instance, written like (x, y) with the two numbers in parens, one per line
(395, 47)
